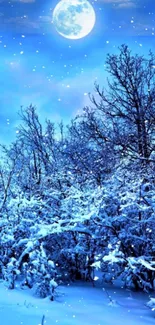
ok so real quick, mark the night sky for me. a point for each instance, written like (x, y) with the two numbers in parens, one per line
(39, 66)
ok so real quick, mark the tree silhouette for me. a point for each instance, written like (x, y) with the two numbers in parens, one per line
(128, 106)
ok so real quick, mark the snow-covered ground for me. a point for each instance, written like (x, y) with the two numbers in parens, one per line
(78, 304)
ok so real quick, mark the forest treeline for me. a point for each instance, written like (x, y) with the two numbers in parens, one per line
(79, 197)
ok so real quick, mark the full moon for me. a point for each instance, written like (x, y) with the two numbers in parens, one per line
(74, 19)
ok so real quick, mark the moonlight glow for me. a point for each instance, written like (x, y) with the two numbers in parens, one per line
(74, 19)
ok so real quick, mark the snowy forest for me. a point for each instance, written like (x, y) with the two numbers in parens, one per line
(80, 197)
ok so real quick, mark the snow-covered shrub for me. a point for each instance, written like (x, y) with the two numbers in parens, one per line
(125, 221)
(38, 270)
(70, 252)
(140, 273)
(45, 280)
(22, 254)
(11, 272)
(151, 304)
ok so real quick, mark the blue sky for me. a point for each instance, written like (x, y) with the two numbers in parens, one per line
(41, 67)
